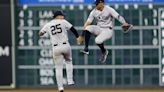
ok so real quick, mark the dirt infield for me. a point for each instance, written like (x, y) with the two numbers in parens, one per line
(86, 90)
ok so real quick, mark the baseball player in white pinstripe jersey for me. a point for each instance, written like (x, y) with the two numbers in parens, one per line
(57, 29)
(104, 16)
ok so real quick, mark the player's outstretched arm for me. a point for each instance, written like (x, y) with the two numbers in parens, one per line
(125, 26)
(76, 34)
(74, 31)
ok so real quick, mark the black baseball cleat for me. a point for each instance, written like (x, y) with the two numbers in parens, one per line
(104, 57)
(61, 91)
(84, 51)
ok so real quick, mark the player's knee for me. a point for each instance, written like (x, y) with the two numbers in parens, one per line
(88, 27)
(98, 41)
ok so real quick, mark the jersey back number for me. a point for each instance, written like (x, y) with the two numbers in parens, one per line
(55, 29)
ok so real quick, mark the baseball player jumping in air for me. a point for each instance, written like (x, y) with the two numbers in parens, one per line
(104, 16)
(62, 54)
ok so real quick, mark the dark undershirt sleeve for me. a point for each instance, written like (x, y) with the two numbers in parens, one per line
(74, 31)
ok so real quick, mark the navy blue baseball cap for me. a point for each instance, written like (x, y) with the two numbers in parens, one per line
(98, 1)
(58, 13)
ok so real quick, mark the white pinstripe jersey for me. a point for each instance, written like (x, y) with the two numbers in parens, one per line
(57, 29)
(104, 18)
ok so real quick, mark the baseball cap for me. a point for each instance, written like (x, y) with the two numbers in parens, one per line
(57, 13)
(98, 1)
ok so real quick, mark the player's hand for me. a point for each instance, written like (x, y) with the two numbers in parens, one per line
(80, 40)
(127, 27)
(41, 33)
(125, 24)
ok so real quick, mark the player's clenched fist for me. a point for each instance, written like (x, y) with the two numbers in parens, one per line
(127, 27)
(80, 40)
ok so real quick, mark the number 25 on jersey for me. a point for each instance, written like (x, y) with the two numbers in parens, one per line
(55, 29)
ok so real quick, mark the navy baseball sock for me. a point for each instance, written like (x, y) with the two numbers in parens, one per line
(87, 38)
(101, 46)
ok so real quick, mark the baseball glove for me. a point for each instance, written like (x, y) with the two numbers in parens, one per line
(127, 28)
(80, 40)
